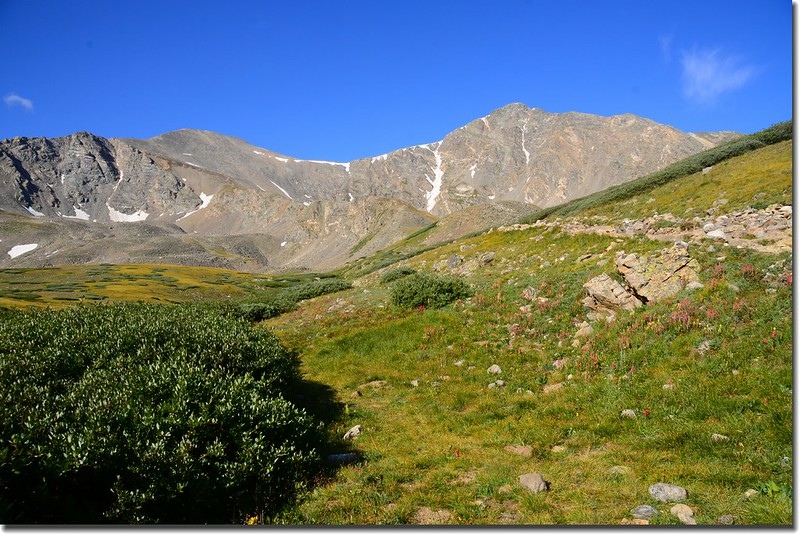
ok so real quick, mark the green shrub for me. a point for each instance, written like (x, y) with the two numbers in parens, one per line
(428, 290)
(260, 311)
(315, 289)
(395, 274)
(147, 413)
(776, 133)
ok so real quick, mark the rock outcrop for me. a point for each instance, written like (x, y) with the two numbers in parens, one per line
(647, 279)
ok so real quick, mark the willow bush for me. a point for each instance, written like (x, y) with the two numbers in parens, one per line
(145, 413)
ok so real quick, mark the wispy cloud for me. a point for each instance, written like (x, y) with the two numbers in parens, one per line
(709, 73)
(666, 47)
(13, 99)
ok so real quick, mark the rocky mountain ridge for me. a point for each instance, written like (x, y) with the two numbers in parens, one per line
(200, 186)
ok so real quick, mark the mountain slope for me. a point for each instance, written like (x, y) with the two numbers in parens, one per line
(207, 184)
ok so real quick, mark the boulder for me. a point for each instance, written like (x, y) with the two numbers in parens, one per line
(352, 433)
(533, 482)
(607, 296)
(644, 511)
(659, 277)
(665, 492)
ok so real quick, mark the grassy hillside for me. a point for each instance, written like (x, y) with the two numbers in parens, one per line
(438, 442)
(707, 373)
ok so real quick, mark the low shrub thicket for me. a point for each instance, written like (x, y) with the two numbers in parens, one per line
(395, 274)
(144, 413)
(428, 290)
(315, 289)
(282, 301)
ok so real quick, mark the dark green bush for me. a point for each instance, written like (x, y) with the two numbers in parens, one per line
(428, 290)
(315, 289)
(395, 274)
(260, 311)
(776, 133)
(143, 413)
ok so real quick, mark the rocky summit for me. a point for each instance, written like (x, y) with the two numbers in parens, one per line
(201, 198)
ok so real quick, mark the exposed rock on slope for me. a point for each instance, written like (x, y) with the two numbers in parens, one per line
(319, 214)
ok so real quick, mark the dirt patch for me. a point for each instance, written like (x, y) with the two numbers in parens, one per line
(426, 515)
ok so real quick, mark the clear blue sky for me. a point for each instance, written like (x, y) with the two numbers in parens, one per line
(344, 79)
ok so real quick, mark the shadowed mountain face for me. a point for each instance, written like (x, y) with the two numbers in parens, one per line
(197, 197)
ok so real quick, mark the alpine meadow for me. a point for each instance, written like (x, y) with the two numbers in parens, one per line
(541, 319)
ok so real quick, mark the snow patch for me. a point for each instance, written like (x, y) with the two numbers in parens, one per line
(259, 187)
(34, 212)
(350, 195)
(306, 203)
(119, 217)
(345, 165)
(472, 170)
(63, 177)
(525, 150)
(257, 152)
(491, 197)
(22, 249)
(436, 184)
(193, 164)
(284, 160)
(79, 214)
(379, 158)
(280, 188)
(206, 201)
(283, 243)
(187, 153)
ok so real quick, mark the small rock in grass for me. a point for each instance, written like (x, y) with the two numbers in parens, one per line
(352, 433)
(500, 382)
(415, 383)
(716, 437)
(628, 413)
(665, 492)
(725, 520)
(342, 458)
(668, 386)
(644, 511)
(356, 394)
(584, 331)
(533, 482)
(694, 285)
(749, 493)
(494, 368)
(524, 451)
(552, 388)
(459, 363)
(558, 448)
(635, 522)
(681, 509)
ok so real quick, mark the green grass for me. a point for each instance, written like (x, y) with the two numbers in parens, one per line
(441, 444)
(434, 433)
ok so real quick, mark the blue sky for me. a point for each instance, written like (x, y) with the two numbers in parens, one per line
(344, 79)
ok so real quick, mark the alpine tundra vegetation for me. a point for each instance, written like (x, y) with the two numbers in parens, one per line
(621, 358)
